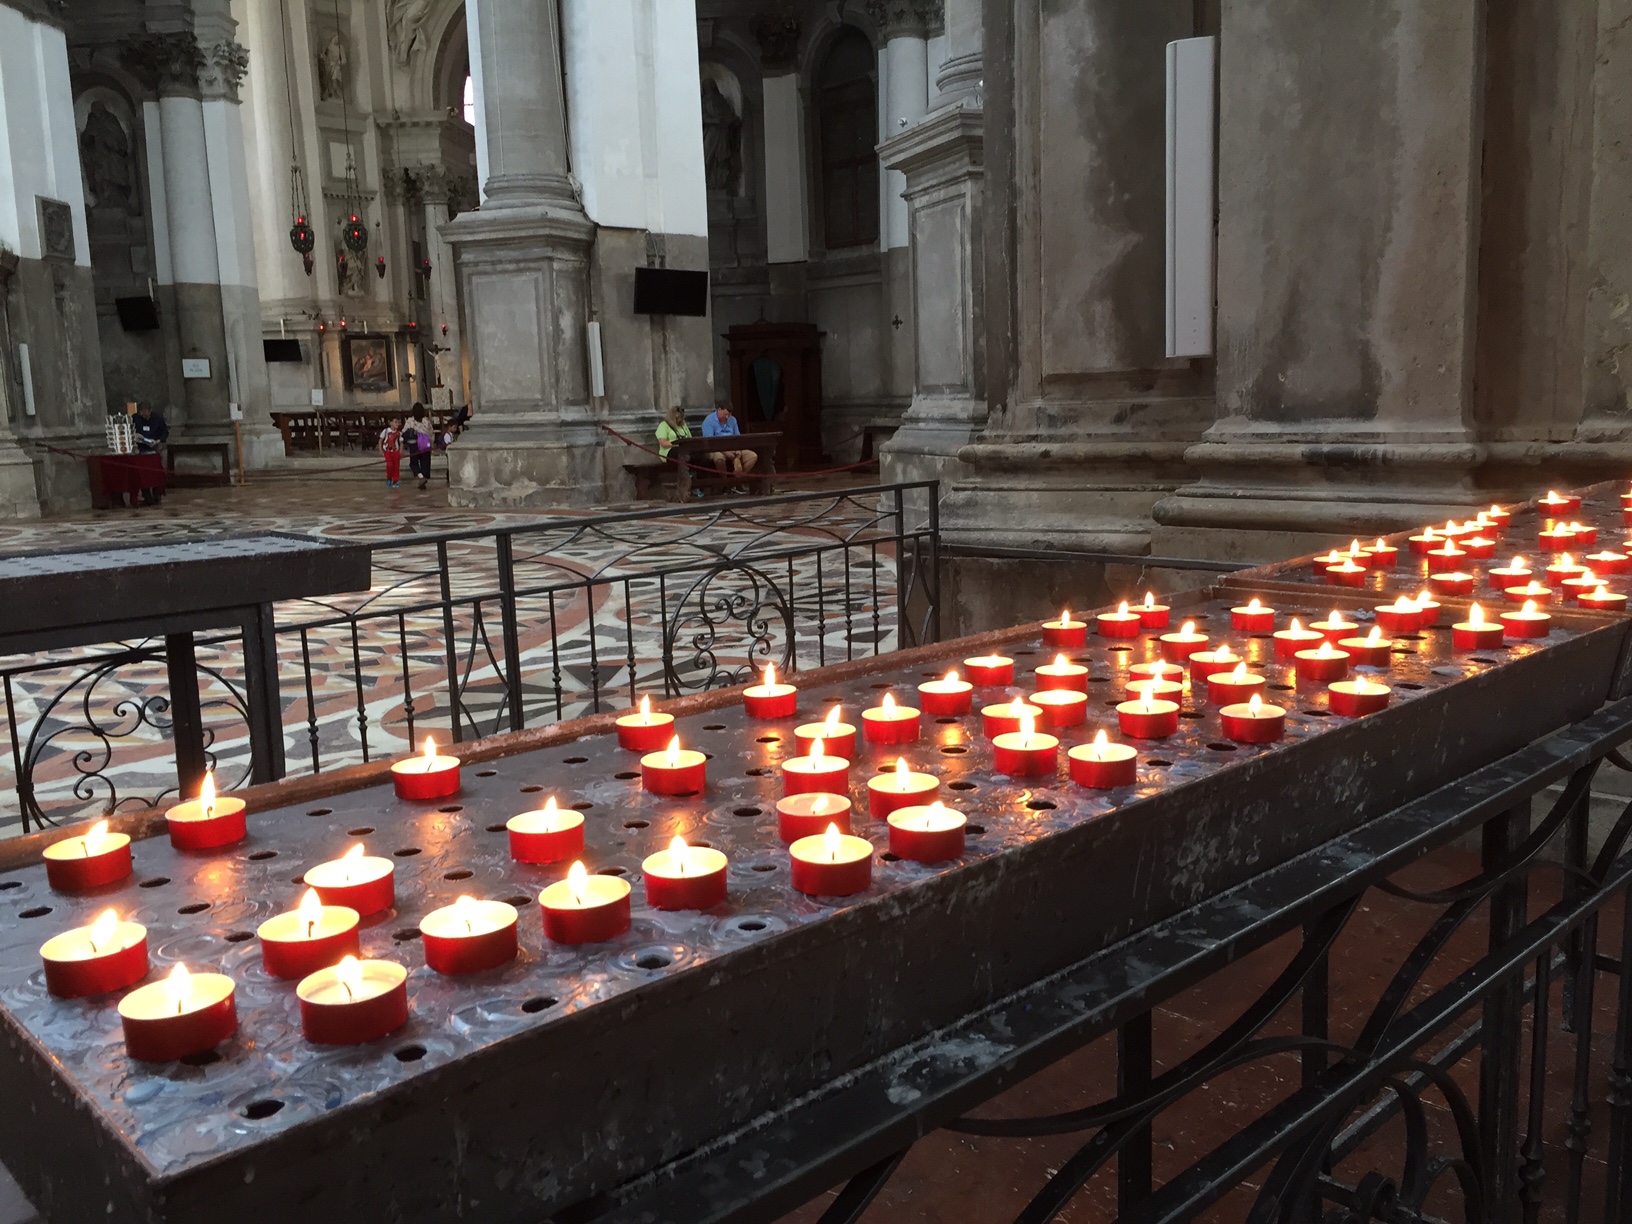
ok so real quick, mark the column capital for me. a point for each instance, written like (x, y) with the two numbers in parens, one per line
(165, 63)
(778, 38)
(225, 64)
(907, 18)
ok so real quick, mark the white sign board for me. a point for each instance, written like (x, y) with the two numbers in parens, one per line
(1191, 249)
(195, 367)
(317, 397)
(235, 412)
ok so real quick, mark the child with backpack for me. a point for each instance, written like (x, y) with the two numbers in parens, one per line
(391, 448)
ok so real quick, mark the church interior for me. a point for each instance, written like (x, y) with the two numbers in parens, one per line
(815, 611)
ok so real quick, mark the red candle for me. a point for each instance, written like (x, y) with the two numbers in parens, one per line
(990, 671)
(1148, 718)
(1556, 538)
(1584, 535)
(1422, 545)
(674, 771)
(356, 881)
(1428, 610)
(1235, 687)
(1514, 573)
(816, 774)
(1153, 615)
(1062, 674)
(304, 940)
(1334, 628)
(1178, 647)
(1156, 690)
(1061, 707)
(98, 959)
(90, 860)
(831, 864)
(769, 699)
(684, 877)
(469, 936)
(1103, 765)
(206, 823)
(1565, 567)
(1607, 562)
(644, 731)
(932, 834)
(186, 1013)
(1347, 574)
(1253, 618)
(1355, 698)
(837, 736)
(1527, 622)
(1603, 600)
(997, 720)
(946, 698)
(1324, 561)
(1479, 548)
(428, 776)
(1373, 650)
(1476, 633)
(1383, 556)
(898, 788)
(1253, 723)
(1454, 582)
(888, 723)
(1205, 664)
(353, 1002)
(808, 815)
(1291, 640)
(1556, 504)
(1322, 665)
(1065, 633)
(1495, 517)
(1025, 753)
(1119, 624)
(1584, 583)
(547, 836)
(1447, 555)
(1401, 616)
(1530, 592)
(584, 908)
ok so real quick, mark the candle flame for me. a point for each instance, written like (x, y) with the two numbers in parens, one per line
(1223, 654)
(833, 721)
(354, 855)
(1565, 561)
(1065, 617)
(1375, 637)
(464, 910)
(94, 839)
(901, 770)
(818, 747)
(206, 794)
(1529, 607)
(430, 749)
(577, 877)
(887, 705)
(1587, 575)
(103, 929)
(645, 709)
(1296, 628)
(1495, 509)
(1028, 728)
(350, 973)
(179, 987)
(1601, 593)
(1014, 707)
(818, 805)
(550, 813)
(1101, 742)
(1428, 534)
(832, 842)
(1380, 545)
(1255, 706)
(1424, 599)
(952, 676)
(677, 853)
(1060, 661)
(1255, 606)
(1189, 629)
(1574, 526)
(1519, 565)
(1150, 599)
(1239, 675)
(1122, 608)
(310, 912)
(1450, 526)
(1158, 670)
(770, 675)
(1402, 604)
(1552, 496)
(673, 761)
(1325, 651)
(1476, 615)
(1144, 701)
(1354, 548)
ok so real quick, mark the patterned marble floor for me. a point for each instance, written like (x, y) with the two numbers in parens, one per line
(92, 731)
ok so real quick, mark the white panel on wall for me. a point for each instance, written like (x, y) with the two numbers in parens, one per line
(1191, 186)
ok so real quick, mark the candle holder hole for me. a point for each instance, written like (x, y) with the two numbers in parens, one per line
(882, 686)
(1404, 650)
(613, 871)
(1113, 703)
(1409, 637)
(161, 881)
(1023, 653)
(458, 873)
(686, 794)
(259, 1111)
(1041, 805)
(260, 856)
(1158, 763)
(1316, 713)
(519, 900)
(453, 809)
(713, 726)
(1191, 714)
(487, 773)
(360, 831)
(1480, 659)
(768, 739)
(708, 756)
(204, 1058)
(1405, 684)
(701, 845)
(890, 858)
(574, 760)
(626, 776)
(537, 1004)
(239, 936)
(756, 772)
(583, 805)
(406, 852)
(652, 960)
(1221, 746)
(974, 830)
(961, 786)
(406, 934)
(299, 879)
(636, 824)
(38, 911)
(952, 750)
(8, 885)
(944, 721)
(1281, 688)
(321, 812)
(762, 868)
(1120, 649)
(408, 1053)
(196, 907)
(498, 828)
(747, 811)
(751, 924)
(533, 789)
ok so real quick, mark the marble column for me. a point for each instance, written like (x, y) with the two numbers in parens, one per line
(787, 199)
(434, 186)
(523, 268)
(960, 76)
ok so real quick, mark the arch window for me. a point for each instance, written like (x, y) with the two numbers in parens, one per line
(847, 109)
(470, 100)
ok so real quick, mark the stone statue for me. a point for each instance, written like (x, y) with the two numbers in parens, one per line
(354, 273)
(104, 152)
(722, 140)
(407, 34)
(331, 78)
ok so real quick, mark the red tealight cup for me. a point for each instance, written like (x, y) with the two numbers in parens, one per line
(946, 698)
(1530, 592)
(644, 731)
(1398, 617)
(1334, 628)
(1148, 719)
(1122, 623)
(585, 909)
(932, 834)
(1507, 576)
(92, 960)
(1245, 724)
(1157, 690)
(90, 860)
(1062, 674)
(1346, 574)
(1496, 517)
(1153, 615)
(815, 775)
(426, 776)
(890, 724)
(1383, 556)
(1356, 698)
(1025, 756)
(1289, 641)
(1428, 611)
(1556, 539)
(1205, 664)
(302, 941)
(989, 671)
(1447, 556)
(548, 836)
(997, 720)
(1316, 667)
(1574, 588)
(167, 1020)
(1585, 536)
(1455, 582)
(1479, 547)
(1178, 647)
(1607, 562)
(673, 772)
(895, 789)
(1562, 569)
(1603, 601)
(1253, 619)
(770, 700)
(830, 865)
(685, 878)
(1066, 634)
(1476, 635)
(1556, 504)
(1422, 545)
(1234, 688)
(1366, 653)
(1526, 623)
(358, 882)
(341, 1012)
(1061, 708)
(1322, 562)
(469, 936)
(201, 825)
(807, 815)
(839, 738)
(1102, 765)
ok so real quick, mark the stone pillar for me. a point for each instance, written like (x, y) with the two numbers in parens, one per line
(523, 268)
(434, 185)
(959, 78)
(1607, 356)
(787, 204)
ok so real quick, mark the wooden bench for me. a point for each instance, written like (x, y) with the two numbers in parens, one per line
(695, 451)
(648, 475)
(194, 480)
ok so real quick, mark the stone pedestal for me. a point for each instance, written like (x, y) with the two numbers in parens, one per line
(19, 498)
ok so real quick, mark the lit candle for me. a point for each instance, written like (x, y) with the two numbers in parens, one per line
(1153, 615)
(1157, 683)
(547, 836)
(1295, 638)
(644, 731)
(94, 858)
(1347, 573)
(1476, 633)
(357, 881)
(1205, 664)
(1065, 633)
(584, 908)
(817, 773)
(1565, 566)
(185, 1013)
(1062, 674)
(1428, 610)
(98, 959)
(1253, 618)
(1421, 545)
(1373, 650)
(888, 723)
(1514, 573)
(1253, 723)
(1234, 687)
(1324, 561)
(1555, 537)
(1103, 765)
(1607, 562)
(353, 1002)
(947, 697)
(1603, 600)
(932, 834)
(1556, 504)
(1451, 582)
(1479, 547)
(831, 864)
(807, 815)
(1495, 517)
(1061, 707)
(304, 940)
(768, 699)
(1027, 752)
(1322, 665)
(1584, 535)
(1119, 624)
(989, 671)
(1178, 647)
(1584, 583)
(1530, 592)
(427, 776)
(1358, 697)
(674, 770)
(1527, 622)
(838, 735)
(1401, 616)
(208, 822)
(1334, 628)
(469, 936)
(684, 877)
(898, 788)
(1448, 551)
(998, 720)
(1456, 531)
(1148, 718)
(1383, 556)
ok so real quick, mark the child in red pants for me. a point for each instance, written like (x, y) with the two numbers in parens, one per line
(391, 448)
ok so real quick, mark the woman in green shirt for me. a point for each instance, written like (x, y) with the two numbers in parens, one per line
(671, 429)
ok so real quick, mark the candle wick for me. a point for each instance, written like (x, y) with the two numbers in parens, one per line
(469, 930)
(311, 929)
(347, 986)
(180, 1004)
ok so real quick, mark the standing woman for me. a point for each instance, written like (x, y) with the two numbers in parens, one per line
(418, 439)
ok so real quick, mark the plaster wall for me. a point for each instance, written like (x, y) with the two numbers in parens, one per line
(40, 154)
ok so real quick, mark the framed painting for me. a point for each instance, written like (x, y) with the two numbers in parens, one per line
(368, 363)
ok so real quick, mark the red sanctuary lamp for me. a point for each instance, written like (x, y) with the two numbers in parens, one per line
(1234, 687)
(838, 736)
(1148, 718)
(1514, 573)
(1103, 765)
(809, 815)
(1061, 707)
(1062, 674)
(1476, 633)
(185, 1013)
(768, 699)
(1422, 545)
(1205, 664)
(353, 1002)
(307, 939)
(206, 823)
(1496, 518)
(584, 908)
(94, 858)
(426, 777)
(831, 864)
(1178, 647)
(1564, 567)
(644, 731)
(684, 877)
(98, 959)
(1253, 618)
(674, 770)
(933, 834)
(1322, 665)
(1556, 504)
(1373, 650)
(1530, 592)
(1153, 615)
(546, 836)
(946, 697)
(1608, 562)
(1065, 633)
(1383, 556)
(1358, 697)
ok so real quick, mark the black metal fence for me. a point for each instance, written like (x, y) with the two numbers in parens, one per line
(474, 633)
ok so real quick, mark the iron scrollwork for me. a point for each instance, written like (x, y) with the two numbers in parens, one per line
(704, 647)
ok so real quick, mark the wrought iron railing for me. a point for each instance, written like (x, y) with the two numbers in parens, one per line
(472, 633)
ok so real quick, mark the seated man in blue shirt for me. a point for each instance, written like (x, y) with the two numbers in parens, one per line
(721, 424)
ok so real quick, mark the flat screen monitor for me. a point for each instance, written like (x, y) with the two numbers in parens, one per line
(282, 348)
(137, 313)
(671, 291)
